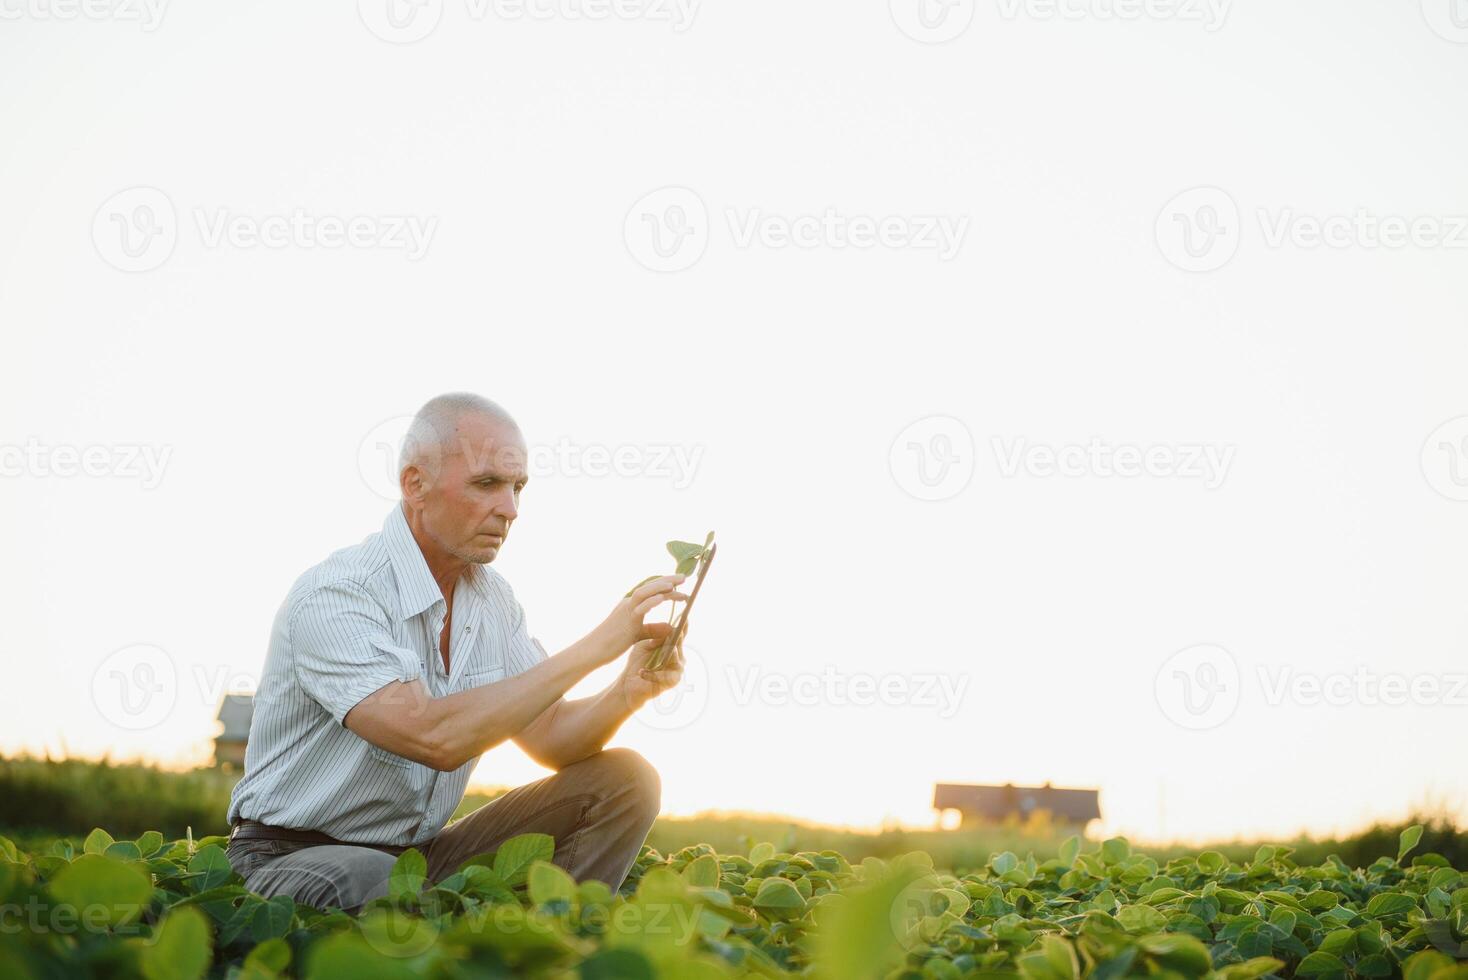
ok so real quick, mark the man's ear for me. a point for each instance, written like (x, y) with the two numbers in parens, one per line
(412, 483)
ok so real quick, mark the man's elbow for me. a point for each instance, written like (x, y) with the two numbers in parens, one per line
(446, 750)
(440, 753)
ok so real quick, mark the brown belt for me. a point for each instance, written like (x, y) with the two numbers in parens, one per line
(254, 830)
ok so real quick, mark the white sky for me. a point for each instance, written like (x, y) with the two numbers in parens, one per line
(1055, 601)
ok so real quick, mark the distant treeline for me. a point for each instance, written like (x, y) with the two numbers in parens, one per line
(41, 798)
(44, 798)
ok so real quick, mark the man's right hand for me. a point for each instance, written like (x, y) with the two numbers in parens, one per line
(624, 626)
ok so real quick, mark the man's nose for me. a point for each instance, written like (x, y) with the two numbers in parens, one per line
(506, 506)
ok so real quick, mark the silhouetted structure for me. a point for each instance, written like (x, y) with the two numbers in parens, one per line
(229, 745)
(995, 804)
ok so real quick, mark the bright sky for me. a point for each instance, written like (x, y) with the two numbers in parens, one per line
(1205, 641)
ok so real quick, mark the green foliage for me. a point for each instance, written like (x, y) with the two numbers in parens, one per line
(408, 876)
(685, 553)
(181, 946)
(690, 557)
(73, 796)
(176, 911)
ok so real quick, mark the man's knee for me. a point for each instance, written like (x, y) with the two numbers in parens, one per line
(626, 770)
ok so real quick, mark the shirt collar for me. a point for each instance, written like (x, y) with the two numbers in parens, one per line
(417, 588)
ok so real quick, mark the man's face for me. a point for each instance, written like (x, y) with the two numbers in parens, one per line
(467, 509)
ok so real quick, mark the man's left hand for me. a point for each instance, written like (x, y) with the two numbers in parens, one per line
(640, 685)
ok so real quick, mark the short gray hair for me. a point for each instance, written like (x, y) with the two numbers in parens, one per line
(431, 433)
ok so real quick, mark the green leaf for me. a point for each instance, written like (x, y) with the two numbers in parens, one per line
(97, 842)
(1257, 943)
(779, 899)
(180, 949)
(1116, 966)
(1115, 850)
(616, 964)
(515, 856)
(1140, 918)
(548, 883)
(858, 935)
(1284, 920)
(234, 926)
(1339, 942)
(1408, 840)
(212, 867)
(150, 843)
(1375, 965)
(683, 550)
(1318, 963)
(1069, 848)
(1390, 903)
(217, 903)
(349, 955)
(103, 889)
(272, 919)
(273, 955)
(1249, 969)
(124, 850)
(1164, 895)
(1211, 862)
(687, 555)
(1421, 966)
(1060, 958)
(482, 882)
(398, 934)
(1182, 953)
(408, 875)
(702, 872)
(761, 852)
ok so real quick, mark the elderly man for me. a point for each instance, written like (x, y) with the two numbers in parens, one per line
(395, 663)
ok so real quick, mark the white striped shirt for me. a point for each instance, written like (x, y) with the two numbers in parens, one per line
(369, 615)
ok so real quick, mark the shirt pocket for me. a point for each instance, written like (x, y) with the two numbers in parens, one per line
(384, 756)
(480, 675)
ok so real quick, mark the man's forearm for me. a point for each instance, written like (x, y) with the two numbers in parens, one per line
(462, 726)
(581, 728)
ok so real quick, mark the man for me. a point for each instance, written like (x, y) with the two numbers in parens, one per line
(394, 664)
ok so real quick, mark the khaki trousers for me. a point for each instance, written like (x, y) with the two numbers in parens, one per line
(599, 811)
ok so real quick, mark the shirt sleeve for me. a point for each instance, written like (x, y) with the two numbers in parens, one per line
(344, 648)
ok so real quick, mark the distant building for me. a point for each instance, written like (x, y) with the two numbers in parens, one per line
(229, 745)
(995, 804)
